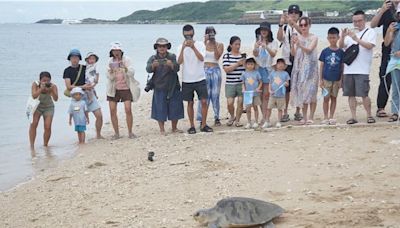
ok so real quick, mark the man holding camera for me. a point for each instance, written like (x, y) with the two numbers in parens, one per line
(356, 74)
(167, 101)
(385, 16)
(191, 57)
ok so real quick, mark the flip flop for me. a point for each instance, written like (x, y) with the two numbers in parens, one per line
(371, 120)
(192, 130)
(230, 122)
(309, 122)
(351, 121)
(238, 124)
(285, 118)
(332, 122)
(381, 113)
(394, 118)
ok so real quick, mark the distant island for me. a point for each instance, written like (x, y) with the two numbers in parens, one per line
(236, 12)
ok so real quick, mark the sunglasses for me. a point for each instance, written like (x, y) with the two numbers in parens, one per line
(293, 12)
(162, 46)
(303, 25)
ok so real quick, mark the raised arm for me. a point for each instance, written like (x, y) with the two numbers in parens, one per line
(377, 18)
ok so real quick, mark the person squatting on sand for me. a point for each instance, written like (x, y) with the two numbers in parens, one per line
(74, 76)
(167, 103)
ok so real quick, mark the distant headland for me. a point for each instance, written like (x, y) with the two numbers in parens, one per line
(236, 12)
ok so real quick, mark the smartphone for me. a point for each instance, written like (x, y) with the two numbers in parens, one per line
(244, 55)
(188, 37)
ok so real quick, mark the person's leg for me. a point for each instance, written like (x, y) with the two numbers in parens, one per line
(204, 111)
(114, 117)
(33, 127)
(305, 111)
(216, 91)
(268, 115)
(256, 114)
(367, 105)
(239, 108)
(395, 92)
(99, 122)
(248, 113)
(332, 108)
(280, 114)
(325, 107)
(190, 112)
(353, 107)
(162, 128)
(81, 137)
(129, 117)
(313, 107)
(47, 119)
(287, 98)
(265, 99)
(231, 108)
(174, 125)
(384, 82)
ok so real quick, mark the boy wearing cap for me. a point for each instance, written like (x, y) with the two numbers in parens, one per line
(79, 112)
(74, 77)
(91, 75)
(287, 29)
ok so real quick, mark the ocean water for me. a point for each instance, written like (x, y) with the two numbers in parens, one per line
(28, 49)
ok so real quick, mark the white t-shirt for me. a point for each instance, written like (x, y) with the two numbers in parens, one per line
(192, 67)
(288, 32)
(264, 59)
(362, 64)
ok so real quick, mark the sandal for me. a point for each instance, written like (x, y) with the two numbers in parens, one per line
(217, 122)
(238, 124)
(371, 120)
(351, 121)
(191, 131)
(309, 122)
(394, 118)
(230, 122)
(381, 113)
(332, 122)
(206, 129)
(298, 117)
(285, 118)
(302, 122)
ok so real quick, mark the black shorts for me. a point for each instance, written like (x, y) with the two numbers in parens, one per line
(200, 88)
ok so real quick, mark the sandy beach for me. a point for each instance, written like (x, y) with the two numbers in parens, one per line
(338, 176)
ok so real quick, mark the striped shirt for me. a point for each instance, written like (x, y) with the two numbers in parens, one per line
(234, 77)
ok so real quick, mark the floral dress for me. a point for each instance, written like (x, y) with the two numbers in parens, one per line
(304, 78)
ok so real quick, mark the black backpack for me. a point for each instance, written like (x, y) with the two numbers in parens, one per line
(351, 53)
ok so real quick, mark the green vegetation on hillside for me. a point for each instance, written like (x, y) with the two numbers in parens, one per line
(218, 11)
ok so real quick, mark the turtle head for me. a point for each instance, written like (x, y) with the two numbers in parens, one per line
(204, 216)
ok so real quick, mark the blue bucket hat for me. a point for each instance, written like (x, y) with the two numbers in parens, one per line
(74, 52)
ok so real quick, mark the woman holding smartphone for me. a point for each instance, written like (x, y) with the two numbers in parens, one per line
(120, 87)
(233, 66)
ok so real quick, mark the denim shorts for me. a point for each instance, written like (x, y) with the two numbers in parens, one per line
(264, 74)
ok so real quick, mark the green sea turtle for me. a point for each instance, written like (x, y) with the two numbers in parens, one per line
(239, 212)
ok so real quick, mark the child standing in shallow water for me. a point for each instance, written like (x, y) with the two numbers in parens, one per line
(78, 111)
(279, 80)
(252, 85)
(91, 75)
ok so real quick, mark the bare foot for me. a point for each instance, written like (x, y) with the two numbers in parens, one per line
(177, 130)
(132, 136)
(115, 137)
(100, 137)
(163, 133)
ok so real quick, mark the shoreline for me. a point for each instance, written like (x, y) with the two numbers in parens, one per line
(323, 176)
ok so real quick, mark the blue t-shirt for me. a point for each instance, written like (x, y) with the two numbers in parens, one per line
(332, 63)
(277, 82)
(251, 80)
(78, 109)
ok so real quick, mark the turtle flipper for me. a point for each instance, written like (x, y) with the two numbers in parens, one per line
(269, 224)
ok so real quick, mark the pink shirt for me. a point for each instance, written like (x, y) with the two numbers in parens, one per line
(120, 80)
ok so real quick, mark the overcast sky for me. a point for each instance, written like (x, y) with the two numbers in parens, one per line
(34, 10)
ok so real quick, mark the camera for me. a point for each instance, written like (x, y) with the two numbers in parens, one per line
(244, 55)
(48, 85)
(149, 85)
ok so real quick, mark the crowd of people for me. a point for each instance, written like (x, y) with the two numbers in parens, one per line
(254, 84)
